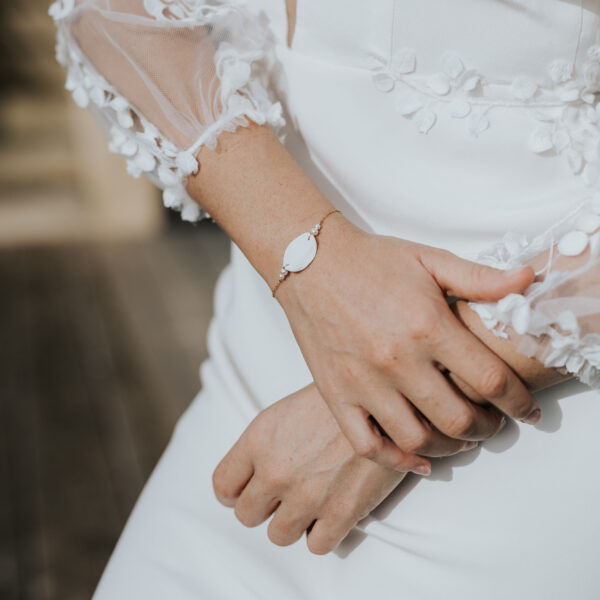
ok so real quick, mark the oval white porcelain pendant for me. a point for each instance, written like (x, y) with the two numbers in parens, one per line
(300, 252)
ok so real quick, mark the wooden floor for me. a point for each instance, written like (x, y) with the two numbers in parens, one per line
(99, 355)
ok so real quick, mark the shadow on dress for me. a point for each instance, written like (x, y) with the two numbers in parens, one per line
(443, 469)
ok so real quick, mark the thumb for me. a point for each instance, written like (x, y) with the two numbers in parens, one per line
(472, 281)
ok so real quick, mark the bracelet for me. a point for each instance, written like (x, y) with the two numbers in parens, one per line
(300, 252)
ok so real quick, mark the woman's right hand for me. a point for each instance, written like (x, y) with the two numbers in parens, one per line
(371, 318)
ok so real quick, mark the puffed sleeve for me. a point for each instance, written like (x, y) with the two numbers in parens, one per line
(557, 319)
(165, 77)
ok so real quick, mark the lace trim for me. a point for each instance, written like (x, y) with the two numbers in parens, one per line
(146, 150)
(532, 313)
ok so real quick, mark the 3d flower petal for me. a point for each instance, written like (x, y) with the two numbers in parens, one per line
(560, 70)
(425, 119)
(404, 60)
(459, 109)
(439, 83)
(541, 140)
(383, 82)
(452, 65)
(478, 123)
(523, 88)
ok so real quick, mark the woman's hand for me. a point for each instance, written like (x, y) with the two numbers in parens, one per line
(371, 318)
(293, 460)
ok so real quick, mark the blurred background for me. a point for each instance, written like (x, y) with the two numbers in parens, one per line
(105, 299)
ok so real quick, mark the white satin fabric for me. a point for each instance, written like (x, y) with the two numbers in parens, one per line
(516, 518)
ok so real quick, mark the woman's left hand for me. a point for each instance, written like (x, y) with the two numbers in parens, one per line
(294, 461)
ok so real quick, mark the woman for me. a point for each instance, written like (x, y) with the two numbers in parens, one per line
(432, 127)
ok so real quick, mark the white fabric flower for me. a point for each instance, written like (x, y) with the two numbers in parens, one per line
(591, 76)
(383, 81)
(541, 139)
(187, 163)
(594, 52)
(523, 88)
(404, 60)
(439, 83)
(425, 119)
(60, 9)
(477, 123)
(560, 70)
(459, 108)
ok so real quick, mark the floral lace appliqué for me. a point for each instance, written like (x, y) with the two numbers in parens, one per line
(146, 150)
(535, 312)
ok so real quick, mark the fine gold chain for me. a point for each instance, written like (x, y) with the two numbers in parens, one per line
(315, 232)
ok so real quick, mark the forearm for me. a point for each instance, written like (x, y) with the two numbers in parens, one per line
(258, 194)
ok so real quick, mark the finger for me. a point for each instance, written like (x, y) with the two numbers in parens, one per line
(327, 533)
(449, 411)
(368, 442)
(232, 474)
(466, 389)
(289, 524)
(411, 433)
(487, 374)
(470, 280)
(255, 504)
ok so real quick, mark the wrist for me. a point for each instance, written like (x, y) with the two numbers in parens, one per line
(334, 242)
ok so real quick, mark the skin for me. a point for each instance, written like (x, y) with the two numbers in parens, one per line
(386, 362)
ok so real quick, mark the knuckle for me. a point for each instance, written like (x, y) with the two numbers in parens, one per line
(306, 498)
(493, 382)
(342, 511)
(424, 324)
(417, 441)
(462, 424)
(367, 448)
(221, 484)
(243, 516)
(280, 534)
(385, 354)
(274, 477)
(319, 545)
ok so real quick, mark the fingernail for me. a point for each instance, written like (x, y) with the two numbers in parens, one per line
(422, 470)
(502, 424)
(533, 418)
(470, 446)
(511, 272)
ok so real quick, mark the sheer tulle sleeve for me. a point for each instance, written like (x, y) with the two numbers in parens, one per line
(557, 319)
(166, 77)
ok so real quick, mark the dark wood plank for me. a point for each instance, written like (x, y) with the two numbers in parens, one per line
(99, 356)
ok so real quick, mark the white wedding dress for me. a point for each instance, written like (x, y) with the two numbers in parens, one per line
(447, 122)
